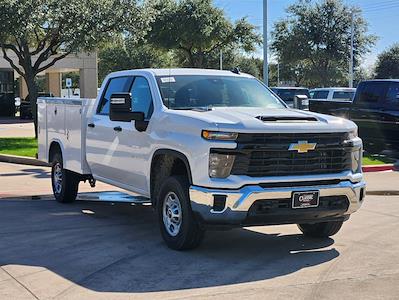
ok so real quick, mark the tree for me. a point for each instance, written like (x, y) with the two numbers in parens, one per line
(42, 32)
(197, 31)
(314, 41)
(388, 64)
(125, 53)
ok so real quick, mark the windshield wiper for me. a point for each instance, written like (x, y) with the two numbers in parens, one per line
(200, 109)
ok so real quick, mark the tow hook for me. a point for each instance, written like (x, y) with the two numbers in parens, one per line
(92, 182)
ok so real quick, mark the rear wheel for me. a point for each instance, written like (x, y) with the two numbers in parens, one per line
(178, 225)
(321, 230)
(65, 183)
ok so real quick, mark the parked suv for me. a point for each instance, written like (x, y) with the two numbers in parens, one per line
(375, 110)
(287, 94)
(25, 109)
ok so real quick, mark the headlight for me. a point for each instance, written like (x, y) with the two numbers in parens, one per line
(219, 135)
(220, 165)
(353, 134)
(356, 161)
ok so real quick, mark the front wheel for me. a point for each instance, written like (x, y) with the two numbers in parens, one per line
(321, 230)
(65, 183)
(178, 225)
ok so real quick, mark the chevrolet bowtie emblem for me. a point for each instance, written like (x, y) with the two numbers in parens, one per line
(302, 147)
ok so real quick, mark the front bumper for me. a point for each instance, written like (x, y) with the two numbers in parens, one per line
(240, 205)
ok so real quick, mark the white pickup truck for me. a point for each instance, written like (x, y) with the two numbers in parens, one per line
(208, 149)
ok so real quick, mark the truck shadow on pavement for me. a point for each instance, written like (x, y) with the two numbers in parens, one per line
(36, 173)
(118, 248)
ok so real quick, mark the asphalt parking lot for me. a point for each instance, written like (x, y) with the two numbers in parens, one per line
(91, 250)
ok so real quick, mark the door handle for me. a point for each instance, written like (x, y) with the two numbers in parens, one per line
(119, 129)
(91, 125)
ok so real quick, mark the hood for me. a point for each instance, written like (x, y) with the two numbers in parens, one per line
(242, 119)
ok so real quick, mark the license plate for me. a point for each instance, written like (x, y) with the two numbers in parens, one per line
(305, 199)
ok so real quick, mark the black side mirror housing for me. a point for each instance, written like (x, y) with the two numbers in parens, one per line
(121, 109)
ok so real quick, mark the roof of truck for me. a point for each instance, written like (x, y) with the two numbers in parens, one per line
(184, 71)
(335, 89)
(289, 88)
(384, 80)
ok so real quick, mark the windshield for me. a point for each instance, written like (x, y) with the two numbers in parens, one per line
(201, 91)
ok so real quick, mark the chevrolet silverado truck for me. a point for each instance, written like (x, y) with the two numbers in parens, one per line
(208, 149)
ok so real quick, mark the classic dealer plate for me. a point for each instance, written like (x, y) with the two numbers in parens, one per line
(305, 199)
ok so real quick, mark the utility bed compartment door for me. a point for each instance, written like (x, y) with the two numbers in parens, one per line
(73, 143)
(75, 134)
(56, 116)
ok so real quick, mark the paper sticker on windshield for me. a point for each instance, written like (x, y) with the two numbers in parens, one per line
(168, 79)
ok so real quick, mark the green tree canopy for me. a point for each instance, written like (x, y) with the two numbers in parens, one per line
(314, 41)
(42, 32)
(388, 64)
(124, 53)
(197, 31)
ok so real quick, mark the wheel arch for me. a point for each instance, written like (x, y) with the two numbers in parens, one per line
(55, 147)
(170, 162)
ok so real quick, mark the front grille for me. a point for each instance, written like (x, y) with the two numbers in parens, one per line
(261, 155)
(281, 206)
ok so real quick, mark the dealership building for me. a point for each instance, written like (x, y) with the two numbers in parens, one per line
(83, 64)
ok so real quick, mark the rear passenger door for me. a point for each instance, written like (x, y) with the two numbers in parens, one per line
(367, 111)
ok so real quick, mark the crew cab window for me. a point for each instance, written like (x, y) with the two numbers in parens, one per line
(115, 85)
(393, 92)
(320, 95)
(345, 96)
(371, 92)
(141, 97)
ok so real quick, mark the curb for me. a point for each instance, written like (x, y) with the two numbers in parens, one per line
(380, 168)
(22, 160)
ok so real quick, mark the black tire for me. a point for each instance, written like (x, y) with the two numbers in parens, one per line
(321, 230)
(189, 235)
(67, 188)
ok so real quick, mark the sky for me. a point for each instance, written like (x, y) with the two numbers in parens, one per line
(382, 16)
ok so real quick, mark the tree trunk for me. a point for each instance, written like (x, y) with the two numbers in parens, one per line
(32, 96)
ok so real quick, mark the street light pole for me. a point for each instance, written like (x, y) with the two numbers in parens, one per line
(351, 62)
(265, 50)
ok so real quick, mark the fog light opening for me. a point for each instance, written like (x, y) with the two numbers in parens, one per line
(219, 203)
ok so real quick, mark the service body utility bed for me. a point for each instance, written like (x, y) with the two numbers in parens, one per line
(209, 149)
(64, 120)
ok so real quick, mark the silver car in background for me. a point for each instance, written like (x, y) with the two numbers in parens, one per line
(333, 94)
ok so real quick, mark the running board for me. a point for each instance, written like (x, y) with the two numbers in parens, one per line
(113, 197)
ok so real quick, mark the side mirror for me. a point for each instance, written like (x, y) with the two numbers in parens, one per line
(121, 109)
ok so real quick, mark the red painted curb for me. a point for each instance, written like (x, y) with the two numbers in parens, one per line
(379, 168)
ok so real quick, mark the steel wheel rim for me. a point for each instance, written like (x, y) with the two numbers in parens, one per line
(172, 214)
(57, 178)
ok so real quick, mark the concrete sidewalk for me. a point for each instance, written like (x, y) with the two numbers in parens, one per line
(14, 127)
